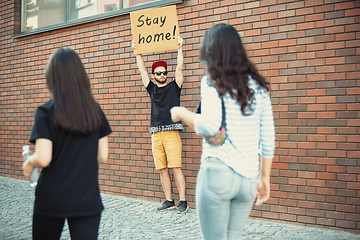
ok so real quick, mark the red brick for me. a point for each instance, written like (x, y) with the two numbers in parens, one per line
(305, 219)
(279, 165)
(344, 5)
(351, 12)
(317, 92)
(353, 138)
(316, 183)
(345, 224)
(325, 221)
(270, 215)
(269, 16)
(355, 186)
(353, 122)
(326, 115)
(326, 191)
(353, 91)
(305, 26)
(313, 3)
(336, 107)
(288, 217)
(318, 108)
(336, 153)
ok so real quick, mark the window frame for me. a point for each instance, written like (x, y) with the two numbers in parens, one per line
(102, 16)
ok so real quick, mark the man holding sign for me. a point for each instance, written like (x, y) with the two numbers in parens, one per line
(166, 141)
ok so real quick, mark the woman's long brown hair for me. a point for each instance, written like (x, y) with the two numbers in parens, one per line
(228, 65)
(75, 107)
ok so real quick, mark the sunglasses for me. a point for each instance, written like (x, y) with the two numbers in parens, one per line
(159, 73)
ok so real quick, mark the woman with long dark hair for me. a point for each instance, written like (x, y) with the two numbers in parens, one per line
(231, 175)
(71, 138)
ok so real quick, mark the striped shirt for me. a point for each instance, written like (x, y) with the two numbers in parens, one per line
(246, 136)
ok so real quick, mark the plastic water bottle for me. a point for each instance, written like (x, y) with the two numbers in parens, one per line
(34, 176)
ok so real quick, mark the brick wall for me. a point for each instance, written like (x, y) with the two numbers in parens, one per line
(308, 50)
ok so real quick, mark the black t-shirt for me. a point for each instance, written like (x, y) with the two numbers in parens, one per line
(68, 186)
(162, 100)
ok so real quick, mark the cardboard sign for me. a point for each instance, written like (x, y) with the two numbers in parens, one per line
(155, 29)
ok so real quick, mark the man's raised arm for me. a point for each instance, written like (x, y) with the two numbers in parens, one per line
(179, 76)
(141, 65)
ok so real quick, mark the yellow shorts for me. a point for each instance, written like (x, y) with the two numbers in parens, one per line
(166, 148)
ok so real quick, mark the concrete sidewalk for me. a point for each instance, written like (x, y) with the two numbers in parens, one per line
(126, 218)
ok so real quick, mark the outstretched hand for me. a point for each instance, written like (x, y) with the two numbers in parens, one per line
(182, 114)
(175, 113)
(180, 41)
(263, 191)
(133, 44)
(27, 169)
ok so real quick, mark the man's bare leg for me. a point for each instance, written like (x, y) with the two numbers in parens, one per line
(180, 182)
(166, 183)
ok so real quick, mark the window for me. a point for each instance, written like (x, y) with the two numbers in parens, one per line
(43, 15)
(38, 13)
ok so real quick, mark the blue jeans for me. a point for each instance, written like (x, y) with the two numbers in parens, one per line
(224, 200)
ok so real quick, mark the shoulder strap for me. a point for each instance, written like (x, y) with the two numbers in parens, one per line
(223, 123)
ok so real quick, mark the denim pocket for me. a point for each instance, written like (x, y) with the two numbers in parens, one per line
(253, 187)
(220, 181)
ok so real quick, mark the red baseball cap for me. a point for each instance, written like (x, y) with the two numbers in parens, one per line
(158, 64)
